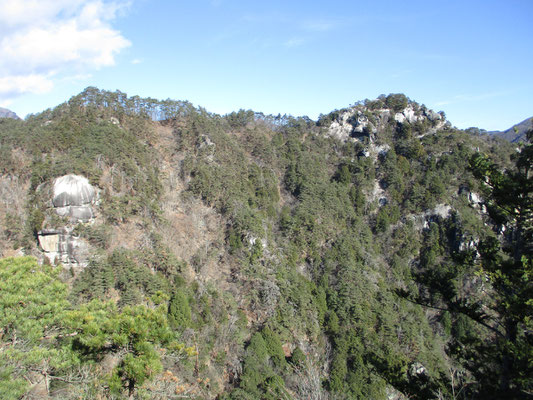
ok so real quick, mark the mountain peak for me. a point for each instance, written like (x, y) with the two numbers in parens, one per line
(370, 117)
(5, 113)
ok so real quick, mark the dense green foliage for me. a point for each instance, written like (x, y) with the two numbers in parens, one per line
(32, 307)
(347, 267)
(47, 343)
(501, 358)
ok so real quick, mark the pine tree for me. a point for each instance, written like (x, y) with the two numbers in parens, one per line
(499, 351)
(179, 310)
(508, 267)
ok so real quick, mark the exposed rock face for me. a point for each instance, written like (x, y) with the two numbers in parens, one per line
(341, 129)
(360, 121)
(422, 221)
(61, 246)
(356, 124)
(73, 196)
(433, 116)
(417, 370)
(72, 190)
(408, 115)
(474, 199)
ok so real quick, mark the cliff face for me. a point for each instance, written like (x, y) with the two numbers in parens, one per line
(279, 243)
(73, 199)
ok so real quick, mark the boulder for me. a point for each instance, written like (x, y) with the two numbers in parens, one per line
(409, 115)
(73, 196)
(417, 370)
(433, 116)
(76, 213)
(73, 190)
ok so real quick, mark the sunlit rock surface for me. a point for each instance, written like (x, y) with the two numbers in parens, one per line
(73, 197)
(59, 245)
(72, 190)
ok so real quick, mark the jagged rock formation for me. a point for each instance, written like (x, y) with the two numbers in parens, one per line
(365, 120)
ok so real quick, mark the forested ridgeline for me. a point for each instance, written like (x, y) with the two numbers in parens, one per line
(377, 253)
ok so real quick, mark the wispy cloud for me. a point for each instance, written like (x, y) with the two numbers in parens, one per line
(400, 74)
(76, 78)
(294, 42)
(41, 39)
(267, 18)
(299, 30)
(301, 24)
(463, 98)
(319, 25)
(136, 61)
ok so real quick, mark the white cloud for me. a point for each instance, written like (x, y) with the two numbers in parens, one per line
(14, 85)
(294, 42)
(76, 78)
(42, 39)
(136, 61)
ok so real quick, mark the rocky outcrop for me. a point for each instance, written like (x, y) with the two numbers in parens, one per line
(423, 220)
(73, 197)
(474, 200)
(409, 115)
(361, 122)
(358, 123)
(417, 370)
(61, 246)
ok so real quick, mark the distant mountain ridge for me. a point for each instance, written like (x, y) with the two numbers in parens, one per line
(5, 113)
(516, 133)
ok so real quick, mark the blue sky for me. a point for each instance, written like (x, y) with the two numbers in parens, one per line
(472, 59)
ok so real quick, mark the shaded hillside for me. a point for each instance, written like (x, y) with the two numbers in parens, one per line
(517, 133)
(279, 255)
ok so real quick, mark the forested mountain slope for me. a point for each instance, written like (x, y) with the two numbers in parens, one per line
(516, 133)
(248, 256)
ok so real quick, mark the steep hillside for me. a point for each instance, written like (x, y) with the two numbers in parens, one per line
(516, 133)
(286, 257)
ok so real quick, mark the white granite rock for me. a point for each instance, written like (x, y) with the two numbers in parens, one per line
(72, 190)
